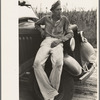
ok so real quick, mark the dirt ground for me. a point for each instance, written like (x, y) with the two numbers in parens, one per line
(88, 89)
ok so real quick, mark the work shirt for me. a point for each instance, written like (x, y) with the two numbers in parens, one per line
(59, 29)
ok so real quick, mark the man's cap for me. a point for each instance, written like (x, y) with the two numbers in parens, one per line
(55, 5)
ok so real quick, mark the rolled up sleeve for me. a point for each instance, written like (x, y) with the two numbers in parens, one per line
(40, 22)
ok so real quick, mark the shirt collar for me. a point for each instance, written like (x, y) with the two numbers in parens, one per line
(51, 17)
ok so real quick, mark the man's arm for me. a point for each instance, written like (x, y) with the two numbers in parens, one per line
(40, 22)
(68, 31)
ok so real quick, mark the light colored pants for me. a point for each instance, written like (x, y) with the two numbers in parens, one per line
(49, 86)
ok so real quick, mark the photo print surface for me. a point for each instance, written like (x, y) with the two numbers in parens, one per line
(58, 49)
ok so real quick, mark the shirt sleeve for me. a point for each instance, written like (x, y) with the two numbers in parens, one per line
(40, 22)
(68, 31)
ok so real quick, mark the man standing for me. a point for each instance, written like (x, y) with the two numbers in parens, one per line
(56, 32)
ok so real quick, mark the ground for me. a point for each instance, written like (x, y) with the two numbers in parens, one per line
(88, 89)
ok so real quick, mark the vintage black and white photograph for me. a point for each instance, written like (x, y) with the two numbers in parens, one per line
(58, 48)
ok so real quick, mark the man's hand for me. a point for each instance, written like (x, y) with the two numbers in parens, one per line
(55, 43)
(41, 30)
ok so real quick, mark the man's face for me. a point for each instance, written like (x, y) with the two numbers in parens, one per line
(57, 11)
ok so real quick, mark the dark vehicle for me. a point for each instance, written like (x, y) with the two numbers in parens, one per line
(29, 42)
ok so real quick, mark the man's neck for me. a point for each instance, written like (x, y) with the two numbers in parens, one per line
(55, 18)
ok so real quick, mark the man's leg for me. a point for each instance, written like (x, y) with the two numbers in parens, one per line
(46, 89)
(57, 63)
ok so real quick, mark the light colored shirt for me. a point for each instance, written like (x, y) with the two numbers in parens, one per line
(59, 29)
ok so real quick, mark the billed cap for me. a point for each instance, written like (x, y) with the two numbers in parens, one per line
(55, 5)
